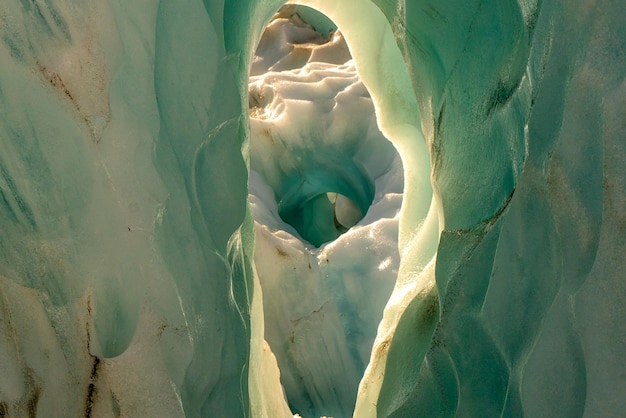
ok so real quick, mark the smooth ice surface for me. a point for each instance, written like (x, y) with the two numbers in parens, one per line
(127, 281)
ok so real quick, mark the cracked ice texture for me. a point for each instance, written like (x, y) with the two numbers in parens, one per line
(126, 282)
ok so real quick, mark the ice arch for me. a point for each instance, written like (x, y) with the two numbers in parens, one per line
(322, 306)
(126, 289)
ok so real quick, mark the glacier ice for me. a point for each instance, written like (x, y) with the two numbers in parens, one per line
(128, 285)
(314, 148)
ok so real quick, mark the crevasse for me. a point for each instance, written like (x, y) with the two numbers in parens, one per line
(325, 190)
(127, 282)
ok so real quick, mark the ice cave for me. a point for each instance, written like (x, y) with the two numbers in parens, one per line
(312, 208)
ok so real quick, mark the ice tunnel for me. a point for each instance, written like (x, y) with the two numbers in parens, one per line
(325, 192)
(132, 262)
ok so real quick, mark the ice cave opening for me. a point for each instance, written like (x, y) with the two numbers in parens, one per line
(478, 274)
(326, 190)
(314, 138)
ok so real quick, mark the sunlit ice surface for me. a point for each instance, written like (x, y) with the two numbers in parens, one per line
(325, 191)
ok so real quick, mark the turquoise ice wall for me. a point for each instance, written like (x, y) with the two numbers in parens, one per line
(125, 275)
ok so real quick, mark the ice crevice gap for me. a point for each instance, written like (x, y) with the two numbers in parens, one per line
(324, 295)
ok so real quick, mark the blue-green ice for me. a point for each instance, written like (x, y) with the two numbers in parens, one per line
(156, 260)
